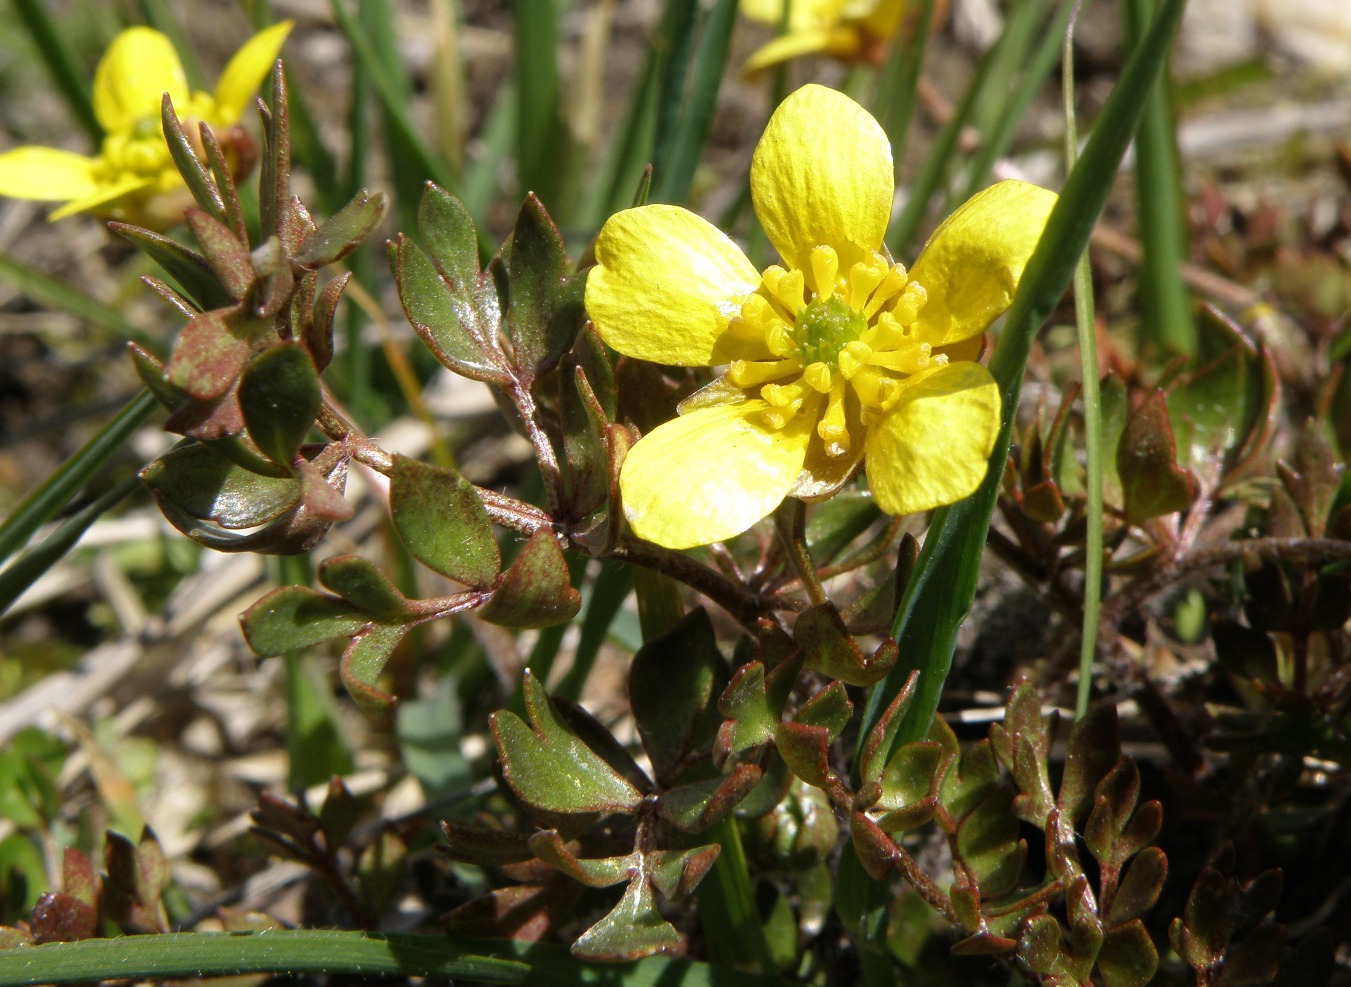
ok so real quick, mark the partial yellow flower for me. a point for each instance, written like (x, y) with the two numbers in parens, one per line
(133, 176)
(836, 356)
(851, 30)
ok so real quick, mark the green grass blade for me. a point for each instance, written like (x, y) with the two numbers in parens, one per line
(30, 566)
(931, 173)
(541, 136)
(377, 20)
(1000, 133)
(387, 91)
(894, 104)
(939, 594)
(1165, 306)
(72, 80)
(369, 954)
(675, 42)
(1092, 398)
(43, 503)
(53, 293)
(673, 171)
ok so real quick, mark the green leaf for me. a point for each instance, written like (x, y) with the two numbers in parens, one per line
(940, 592)
(544, 307)
(295, 617)
(632, 929)
(200, 481)
(831, 650)
(228, 259)
(910, 786)
(188, 955)
(442, 522)
(343, 232)
(698, 805)
(187, 267)
(671, 686)
(459, 323)
(448, 234)
(279, 396)
(1152, 484)
(594, 872)
(1140, 886)
(208, 355)
(360, 583)
(1128, 957)
(364, 660)
(195, 175)
(548, 766)
(750, 715)
(535, 591)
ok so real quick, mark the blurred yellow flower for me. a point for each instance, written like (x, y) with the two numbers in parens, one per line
(133, 176)
(835, 355)
(851, 30)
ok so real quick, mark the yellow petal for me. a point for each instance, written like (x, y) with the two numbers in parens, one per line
(710, 474)
(665, 286)
(46, 173)
(803, 15)
(931, 447)
(247, 70)
(838, 41)
(101, 200)
(138, 68)
(821, 174)
(882, 17)
(971, 265)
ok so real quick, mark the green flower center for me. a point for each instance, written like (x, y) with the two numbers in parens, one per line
(824, 326)
(837, 345)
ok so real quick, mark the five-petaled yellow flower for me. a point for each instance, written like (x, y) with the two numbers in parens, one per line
(851, 30)
(133, 176)
(837, 355)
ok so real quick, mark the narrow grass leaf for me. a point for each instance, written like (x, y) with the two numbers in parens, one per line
(673, 171)
(940, 592)
(72, 80)
(47, 500)
(33, 563)
(1165, 305)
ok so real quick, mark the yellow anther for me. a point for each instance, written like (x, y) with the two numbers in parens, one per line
(911, 301)
(783, 395)
(825, 265)
(893, 282)
(853, 357)
(786, 288)
(818, 376)
(779, 339)
(832, 428)
(779, 417)
(885, 333)
(752, 373)
(864, 277)
(908, 360)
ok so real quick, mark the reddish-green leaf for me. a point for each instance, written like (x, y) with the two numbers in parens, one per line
(536, 591)
(442, 522)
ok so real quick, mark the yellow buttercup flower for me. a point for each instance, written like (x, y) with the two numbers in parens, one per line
(133, 176)
(838, 355)
(851, 30)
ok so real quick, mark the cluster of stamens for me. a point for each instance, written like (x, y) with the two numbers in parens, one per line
(828, 333)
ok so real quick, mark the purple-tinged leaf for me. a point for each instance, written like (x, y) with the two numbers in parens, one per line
(442, 522)
(363, 661)
(1146, 460)
(536, 591)
(295, 617)
(548, 766)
